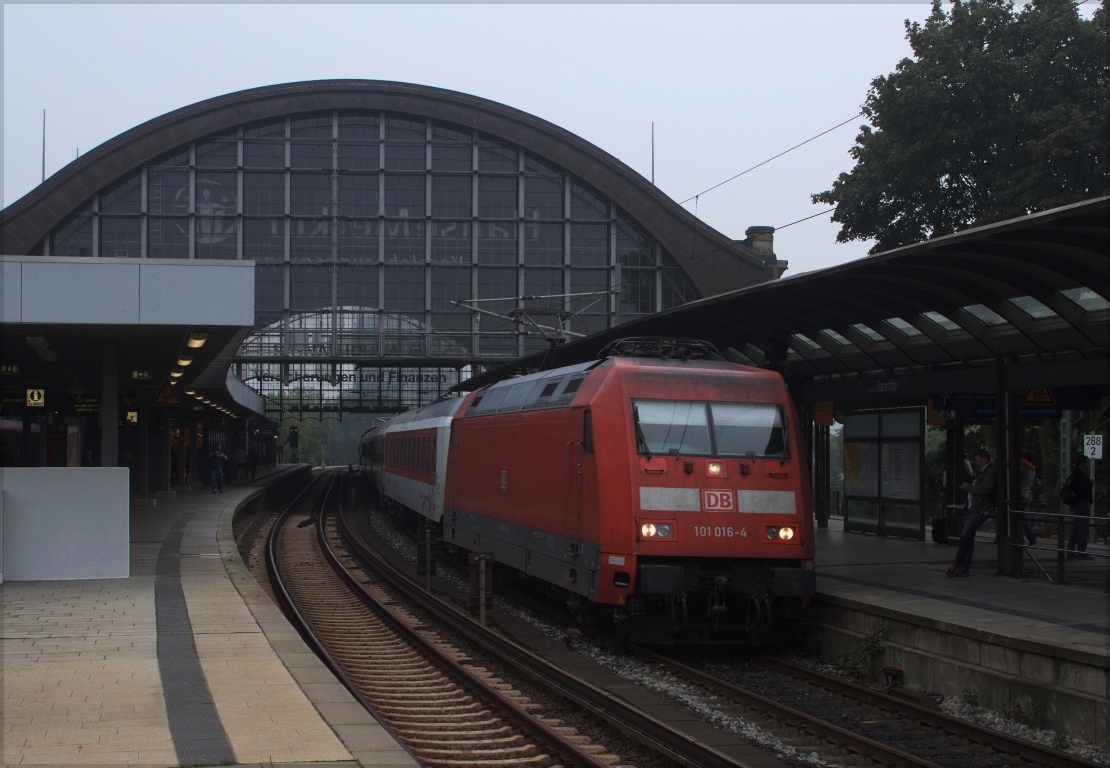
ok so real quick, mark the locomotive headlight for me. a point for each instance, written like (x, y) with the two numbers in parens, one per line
(657, 531)
(714, 469)
(779, 533)
(786, 533)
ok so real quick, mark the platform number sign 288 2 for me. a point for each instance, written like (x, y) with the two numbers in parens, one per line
(1092, 446)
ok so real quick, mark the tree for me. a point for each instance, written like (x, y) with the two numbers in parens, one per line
(998, 115)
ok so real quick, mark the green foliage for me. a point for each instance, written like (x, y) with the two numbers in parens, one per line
(857, 661)
(999, 114)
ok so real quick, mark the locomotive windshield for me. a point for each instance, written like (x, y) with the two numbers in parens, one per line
(710, 429)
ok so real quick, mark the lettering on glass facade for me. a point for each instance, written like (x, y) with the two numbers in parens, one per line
(369, 231)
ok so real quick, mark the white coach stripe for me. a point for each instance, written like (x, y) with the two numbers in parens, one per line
(774, 502)
(670, 500)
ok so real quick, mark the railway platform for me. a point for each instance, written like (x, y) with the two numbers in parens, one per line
(185, 663)
(1035, 647)
(188, 662)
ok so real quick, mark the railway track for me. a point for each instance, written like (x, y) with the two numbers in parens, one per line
(841, 723)
(400, 667)
(856, 725)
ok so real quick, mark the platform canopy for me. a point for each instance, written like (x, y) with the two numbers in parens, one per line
(1029, 295)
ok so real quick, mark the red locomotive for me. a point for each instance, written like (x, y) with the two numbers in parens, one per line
(655, 489)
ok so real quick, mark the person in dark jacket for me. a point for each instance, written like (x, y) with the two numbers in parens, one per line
(982, 490)
(1080, 482)
(217, 466)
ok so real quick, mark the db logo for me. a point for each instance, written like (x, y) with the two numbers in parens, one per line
(718, 501)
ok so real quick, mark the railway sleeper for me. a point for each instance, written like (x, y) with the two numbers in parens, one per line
(488, 744)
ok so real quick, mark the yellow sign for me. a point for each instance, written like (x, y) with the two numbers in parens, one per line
(36, 398)
(167, 396)
(1039, 396)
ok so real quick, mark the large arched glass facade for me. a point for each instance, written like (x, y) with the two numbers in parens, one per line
(394, 254)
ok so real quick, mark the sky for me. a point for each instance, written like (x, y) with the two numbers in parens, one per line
(697, 98)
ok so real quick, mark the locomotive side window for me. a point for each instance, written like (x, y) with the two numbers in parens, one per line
(587, 432)
(710, 429)
(741, 429)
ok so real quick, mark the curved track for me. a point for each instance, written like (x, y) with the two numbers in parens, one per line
(397, 666)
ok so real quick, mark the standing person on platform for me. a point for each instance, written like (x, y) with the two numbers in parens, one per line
(982, 492)
(1027, 472)
(217, 465)
(1080, 482)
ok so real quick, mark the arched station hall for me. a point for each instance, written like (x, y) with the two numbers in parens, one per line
(342, 247)
(318, 248)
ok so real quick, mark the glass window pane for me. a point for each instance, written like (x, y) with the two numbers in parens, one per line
(404, 289)
(589, 245)
(167, 237)
(672, 427)
(404, 241)
(119, 237)
(543, 244)
(1032, 307)
(309, 288)
(399, 129)
(451, 242)
(543, 197)
(868, 332)
(217, 193)
(124, 197)
(405, 157)
(310, 194)
(937, 318)
(358, 126)
(451, 197)
(903, 326)
(1086, 299)
(497, 284)
(634, 248)
(358, 157)
(168, 191)
(452, 157)
(404, 196)
(269, 288)
(264, 146)
(263, 193)
(497, 197)
(497, 158)
(743, 429)
(677, 288)
(450, 284)
(985, 315)
(446, 133)
(358, 194)
(310, 154)
(586, 205)
(264, 240)
(637, 291)
(218, 152)
(310, 240)
(216, 237)
(358, 240)
(311, 126)
(497, 243)
(546, 285)
(74, 236)
(358, 287)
